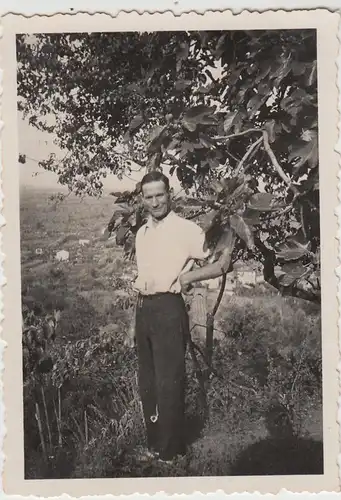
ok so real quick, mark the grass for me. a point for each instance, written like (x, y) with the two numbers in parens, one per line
(264, 401)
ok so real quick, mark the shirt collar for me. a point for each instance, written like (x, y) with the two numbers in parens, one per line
(150, 223)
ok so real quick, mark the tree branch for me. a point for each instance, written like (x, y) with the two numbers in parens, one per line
(248, 153)
(238, 134)
(199, 375)
(302, 221)
(126, 157)
(237, 160)
(276, 165)
(267, 148)
(220, 295)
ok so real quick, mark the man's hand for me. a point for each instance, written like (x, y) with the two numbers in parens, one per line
(186, 285)
(130, 338)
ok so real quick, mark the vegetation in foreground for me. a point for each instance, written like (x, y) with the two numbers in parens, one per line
(82, 414)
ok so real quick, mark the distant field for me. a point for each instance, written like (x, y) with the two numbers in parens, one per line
(91, 270)
(45, 223)
(265, 405)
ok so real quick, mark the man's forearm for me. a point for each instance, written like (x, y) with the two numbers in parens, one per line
(209, 271)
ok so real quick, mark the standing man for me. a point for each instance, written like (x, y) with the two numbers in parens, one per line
(166, 247)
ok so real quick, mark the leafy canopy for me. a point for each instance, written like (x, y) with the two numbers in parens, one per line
(233, 114)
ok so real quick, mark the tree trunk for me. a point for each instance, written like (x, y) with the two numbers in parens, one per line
(198, 314)
(210, 322)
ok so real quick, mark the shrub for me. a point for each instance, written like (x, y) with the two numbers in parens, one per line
(267, 376)
(272, 351)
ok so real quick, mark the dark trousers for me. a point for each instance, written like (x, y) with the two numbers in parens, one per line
(161, 335)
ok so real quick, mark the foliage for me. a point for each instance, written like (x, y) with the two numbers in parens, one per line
(39, 333)
(286, 369)
(268, 366)
(232, 114)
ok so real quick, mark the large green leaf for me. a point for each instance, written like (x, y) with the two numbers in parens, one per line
(291, 272)
(264, 202)
(294, 269)
(265, 69)
(122, 209)
(181, 85)
(206, 141)
(311, 74)
(203, 90)
(312, 181)
(217, 186)
(283, 69)
(225, 241)
(272, 129)
(154, 161)
(129, 245)
(255, 103)
(219, 49)
(232, 183)
(157, 138)
(292, 250)
(199, 114)
(299, 68)
(306, 152)
(242, 229)
(286, 280)
(229, 119)
(239, 195)
(206, 221)
(251, 217)
(191, 126)
(121, 234)
(136, 123)
(209, 120)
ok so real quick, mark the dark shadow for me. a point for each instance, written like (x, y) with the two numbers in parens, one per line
(194, 424)
(280, 456)
(282, 453)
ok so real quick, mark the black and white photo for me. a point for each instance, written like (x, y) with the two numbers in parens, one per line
(175, 293)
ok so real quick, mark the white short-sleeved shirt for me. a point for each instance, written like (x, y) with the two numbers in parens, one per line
(166, 250)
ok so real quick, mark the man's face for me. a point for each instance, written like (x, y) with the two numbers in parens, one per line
(156, 199)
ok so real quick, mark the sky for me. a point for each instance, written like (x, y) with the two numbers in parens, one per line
(37, 145)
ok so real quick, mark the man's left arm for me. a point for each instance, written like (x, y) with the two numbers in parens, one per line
(210, 270)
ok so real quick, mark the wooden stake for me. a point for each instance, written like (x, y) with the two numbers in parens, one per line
(86, 428)
(59, 406)
(60, 441)
(40, 428)
(46, 416)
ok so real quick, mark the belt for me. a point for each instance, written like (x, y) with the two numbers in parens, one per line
(141, 297)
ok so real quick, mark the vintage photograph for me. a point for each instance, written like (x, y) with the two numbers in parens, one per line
(215, 128)
(170, 253)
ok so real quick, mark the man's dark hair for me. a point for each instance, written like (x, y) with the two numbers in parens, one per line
(155, 175)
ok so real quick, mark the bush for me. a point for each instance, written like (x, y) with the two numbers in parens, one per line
(266, 383)
(272, 352)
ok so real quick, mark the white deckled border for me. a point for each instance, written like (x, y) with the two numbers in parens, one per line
(128, 22)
